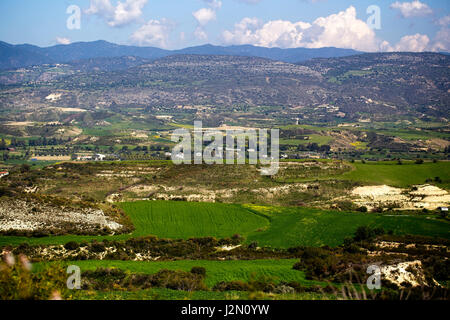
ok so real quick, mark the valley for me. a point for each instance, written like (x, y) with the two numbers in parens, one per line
(86, 176)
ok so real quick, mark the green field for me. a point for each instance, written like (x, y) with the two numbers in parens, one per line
(270, 226)
(292, 227)
(216, 271)
(314, 138)
(170, 219)
(396, 175)
(167, 294)
(183, 220)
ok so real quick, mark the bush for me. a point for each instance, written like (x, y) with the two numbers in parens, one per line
(366, 233)
(253, 245)
(178, 280)
(17, 282)
(237, 239)
(98, 247)
(362, 209)
(231, 286)
(199, 271)
(284, 289)
(72, 245)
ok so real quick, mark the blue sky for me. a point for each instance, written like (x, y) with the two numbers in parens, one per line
(412, 25)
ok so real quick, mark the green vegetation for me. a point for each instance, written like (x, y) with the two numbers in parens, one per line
(176, 220)
(269, 226)
(314, 138)
(348, 75)
(396, 175)
(168, 294)
(216, 271)
(181, 220)
(292, 227)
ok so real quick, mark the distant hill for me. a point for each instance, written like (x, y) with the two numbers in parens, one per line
(12, 57)
(286, 55)
(16, 56)
(369, 87)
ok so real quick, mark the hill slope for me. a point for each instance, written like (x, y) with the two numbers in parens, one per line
(368, 87)
(15, 56)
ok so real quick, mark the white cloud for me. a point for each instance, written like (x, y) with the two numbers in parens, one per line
(444, 21)
(250, 1)
(442, 41)
(412, 43)
(215, 4)
(63, 40)
(100, 7)
(204, 16)
(412, 9)
(341, 30)
(153, 33)
(121, 14)
(200, 34)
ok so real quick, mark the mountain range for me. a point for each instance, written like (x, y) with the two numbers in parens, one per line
(18, 56)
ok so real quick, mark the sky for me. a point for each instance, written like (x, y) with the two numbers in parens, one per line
(365, 25)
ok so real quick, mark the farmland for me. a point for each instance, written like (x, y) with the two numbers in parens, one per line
(276, 227)
(305, 227)
(364, 176)
(217, 271)
(393, 174)
(180, 220)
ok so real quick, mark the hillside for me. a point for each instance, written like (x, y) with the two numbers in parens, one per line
(379, 87)
(16, 56)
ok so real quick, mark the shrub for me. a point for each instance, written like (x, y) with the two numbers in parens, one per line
(362, 209)
(18, 283)
(98, 247)
(178, 280)
(237, 239)
(366, 233)
(201, 271)
(72, 245)
(253, 245)
(231, 286)
(284, 289)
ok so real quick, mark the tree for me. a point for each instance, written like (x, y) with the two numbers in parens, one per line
(3, 144)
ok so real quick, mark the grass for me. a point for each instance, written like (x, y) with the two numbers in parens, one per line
(395, 175)
(167, 294)
(292, 227)
(379, 173)
(216, 271)
(159, 294)
(314, 138)
(169, 219)
(183, 220)
(277, 227)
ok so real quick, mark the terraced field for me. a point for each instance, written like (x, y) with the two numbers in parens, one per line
(278, 227)
(166, 219)
(182, 220)
(308, 227)
(396, 175)
(216, 271)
